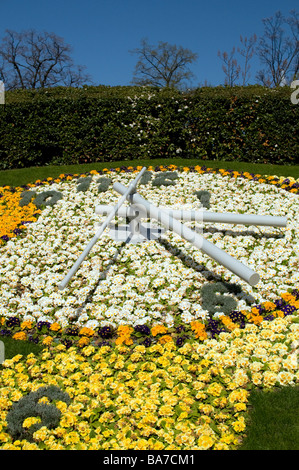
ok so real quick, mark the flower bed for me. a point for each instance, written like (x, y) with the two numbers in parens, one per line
(148, 352)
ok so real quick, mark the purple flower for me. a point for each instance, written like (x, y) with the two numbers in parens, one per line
(147, 342)
(105, 332)
(179, 341)
(142, 329)
(40, 325)
(5, 332)
(13, 321)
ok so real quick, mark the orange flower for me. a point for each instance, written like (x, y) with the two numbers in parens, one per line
(12, 214)
(124, 340)
(269, 306)
(255, 310)
(279, 313)
(21, 336)
(256, 319)
(165, 339)
(287, 297)
(84, 341)
(55, 327)
(199, 329)
(124, 332)
(158, 329)
(47, 340)
(86, 331)
(230, 325)
(26, 325)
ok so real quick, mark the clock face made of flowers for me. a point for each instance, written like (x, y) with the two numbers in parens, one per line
(162, 280)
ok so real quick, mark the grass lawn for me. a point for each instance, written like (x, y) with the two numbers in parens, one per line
(14, 347)
(273, 415)
(273, 420)
(30, 175)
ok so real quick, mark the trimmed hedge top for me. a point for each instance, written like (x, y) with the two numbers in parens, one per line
(77, 125)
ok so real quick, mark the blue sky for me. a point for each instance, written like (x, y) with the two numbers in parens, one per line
(102, 32)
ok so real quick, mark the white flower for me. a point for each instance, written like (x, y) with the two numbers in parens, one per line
(149, 273)
(184, 305)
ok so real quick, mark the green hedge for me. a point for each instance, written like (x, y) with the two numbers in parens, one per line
(71, 126)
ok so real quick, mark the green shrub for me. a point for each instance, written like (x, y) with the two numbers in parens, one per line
(75, 126)
(28, 406)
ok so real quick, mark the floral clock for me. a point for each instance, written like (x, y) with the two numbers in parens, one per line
(160, 295)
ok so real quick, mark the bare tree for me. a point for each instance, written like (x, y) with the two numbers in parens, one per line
(164, 65)
(247, 52)
(37, 60)
(278, 49)
(230, 67)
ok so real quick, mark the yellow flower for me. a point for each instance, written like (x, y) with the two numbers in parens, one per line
(205, 442)
(62, 406)
(83, 429)
(257, 378)
(71, 438)
(166, 410)
(44, 400)
(240, 407)
(68, 419)
(240, 395)
(285, 378)
(41, 434)
(215, 389)
(270, 378)
(29, 446)
(239, 425)
(48, 340)
(30, 421)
